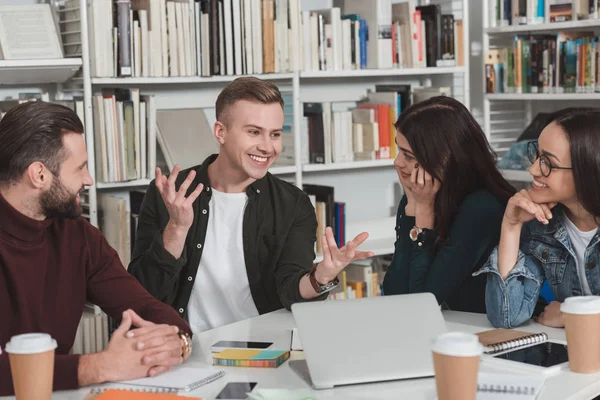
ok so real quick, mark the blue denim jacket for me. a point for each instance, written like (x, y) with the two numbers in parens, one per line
(545, 252)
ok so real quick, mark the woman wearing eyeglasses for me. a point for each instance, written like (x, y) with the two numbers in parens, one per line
(449, 220)
(550, 231)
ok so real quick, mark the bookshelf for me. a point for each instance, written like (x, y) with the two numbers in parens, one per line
(531, 71)
(376, 176)
(369, 188)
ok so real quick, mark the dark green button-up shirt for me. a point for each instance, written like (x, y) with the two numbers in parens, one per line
(279, 232)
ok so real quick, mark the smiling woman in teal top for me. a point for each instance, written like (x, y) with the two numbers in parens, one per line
(449, 220)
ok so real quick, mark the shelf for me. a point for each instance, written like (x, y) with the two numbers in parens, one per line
(123, 185)
(381, 235)
(543, 96)
(168, 80)
(379, 247)
(363, 73)
(348, 165)
(27, 72)
(550, 27)
(516, 175)
(282, 170)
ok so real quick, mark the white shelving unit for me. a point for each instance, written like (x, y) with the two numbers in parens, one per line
(506, 115)
(34, 72)
(369, 188)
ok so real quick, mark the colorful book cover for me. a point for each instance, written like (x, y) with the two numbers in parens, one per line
(251, 358)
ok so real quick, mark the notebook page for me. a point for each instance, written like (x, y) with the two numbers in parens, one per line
(183, 379)
(492, 386)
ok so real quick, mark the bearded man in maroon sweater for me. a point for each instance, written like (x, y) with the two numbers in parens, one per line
(52, 260)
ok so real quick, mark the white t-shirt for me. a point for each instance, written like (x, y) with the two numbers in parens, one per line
(580, 241)
(221, 293)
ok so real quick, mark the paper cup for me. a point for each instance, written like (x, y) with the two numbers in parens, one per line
(582, 324)
(456, 364)
(32, 365)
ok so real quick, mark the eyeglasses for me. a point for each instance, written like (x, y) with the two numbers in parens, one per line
(546, 166)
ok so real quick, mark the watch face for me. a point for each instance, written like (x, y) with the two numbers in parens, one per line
(414, 234)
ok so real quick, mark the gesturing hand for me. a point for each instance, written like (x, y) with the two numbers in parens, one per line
(160, 343)
(334, 259)
(521, 209)
(180, 209)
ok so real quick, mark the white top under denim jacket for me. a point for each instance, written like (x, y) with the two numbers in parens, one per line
(545, 252)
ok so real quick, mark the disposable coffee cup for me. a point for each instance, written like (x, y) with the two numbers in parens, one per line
(32, 365)
(582, 324)
(456, 364)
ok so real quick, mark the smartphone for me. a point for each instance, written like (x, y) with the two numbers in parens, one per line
(236, 390)
(234, 344)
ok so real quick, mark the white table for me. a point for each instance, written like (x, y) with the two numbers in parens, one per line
(274, 327)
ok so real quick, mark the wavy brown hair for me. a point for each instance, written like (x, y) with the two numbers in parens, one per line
(449, 144)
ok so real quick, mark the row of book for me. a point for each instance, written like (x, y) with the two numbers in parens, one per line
(378, 34)
(357, 131)
(124, 135)
(525, 12)
(562, 63)
(158, 38)
(360, 279)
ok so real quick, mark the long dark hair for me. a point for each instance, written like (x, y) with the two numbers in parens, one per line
(451, 146)
(582, 126)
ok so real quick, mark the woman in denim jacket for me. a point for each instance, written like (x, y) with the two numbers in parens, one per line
(550, 231)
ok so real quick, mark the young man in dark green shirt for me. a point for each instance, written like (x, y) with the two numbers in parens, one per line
(226, 240)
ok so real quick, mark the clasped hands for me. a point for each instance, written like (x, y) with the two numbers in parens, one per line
(147, 350)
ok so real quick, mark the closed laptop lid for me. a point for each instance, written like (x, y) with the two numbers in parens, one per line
(370, 339)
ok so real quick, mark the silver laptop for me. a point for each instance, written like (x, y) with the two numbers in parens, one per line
(368, 340)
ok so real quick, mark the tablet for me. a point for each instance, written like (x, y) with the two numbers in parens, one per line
(547, 357)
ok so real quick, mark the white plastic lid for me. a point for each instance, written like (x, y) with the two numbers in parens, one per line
(458, 344)
(30, 343)
(581, 305)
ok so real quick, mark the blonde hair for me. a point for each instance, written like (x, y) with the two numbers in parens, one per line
(246, 88)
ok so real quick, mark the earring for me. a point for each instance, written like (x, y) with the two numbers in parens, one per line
(416, 165)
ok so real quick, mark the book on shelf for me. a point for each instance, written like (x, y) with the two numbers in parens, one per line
(566, 62)
(124, 135)
(92, 332)
(361, 278)
(185, 137)
(503, 13)
(29, 31)
(160, 38)
(76, 104)
(341, 132)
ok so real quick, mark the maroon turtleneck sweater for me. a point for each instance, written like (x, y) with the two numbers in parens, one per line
(48, 270)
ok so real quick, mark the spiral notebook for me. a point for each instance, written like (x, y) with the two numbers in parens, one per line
(182, 379)
(499, 340)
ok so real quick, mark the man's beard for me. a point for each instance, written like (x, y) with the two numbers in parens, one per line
(58, 202)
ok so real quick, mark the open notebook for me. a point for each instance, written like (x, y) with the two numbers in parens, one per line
(181, 379)
(492, 386)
